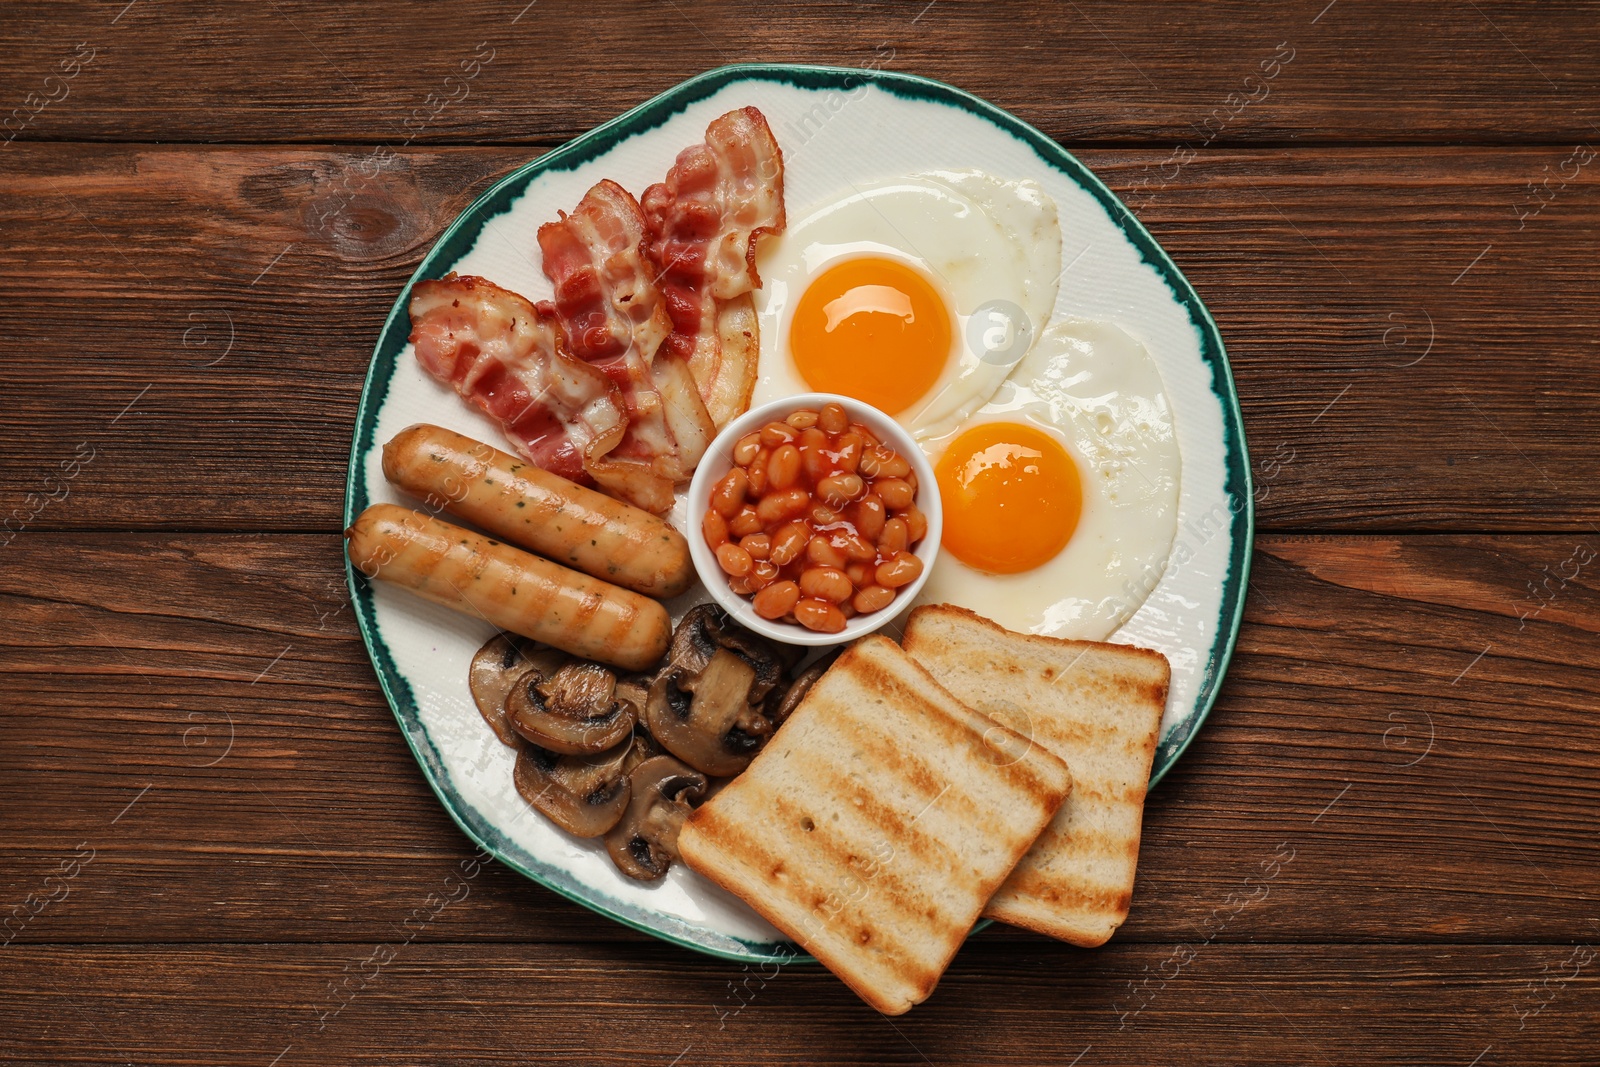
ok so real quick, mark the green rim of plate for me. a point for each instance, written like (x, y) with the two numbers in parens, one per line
(460, 236)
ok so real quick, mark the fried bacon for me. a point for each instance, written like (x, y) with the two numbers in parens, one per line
(612, 316)
(650, 342)
(703, 223)
(604, 294)
(495, 349)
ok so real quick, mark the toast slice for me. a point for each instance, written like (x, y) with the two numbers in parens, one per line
(876, 824)
(1097, 706)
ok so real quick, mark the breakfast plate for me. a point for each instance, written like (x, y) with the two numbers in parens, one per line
(842, 131)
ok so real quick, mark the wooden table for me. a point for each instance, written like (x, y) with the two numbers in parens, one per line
(1381, 848)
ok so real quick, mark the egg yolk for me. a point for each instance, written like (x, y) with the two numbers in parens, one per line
(873, 329)
(1011, 497)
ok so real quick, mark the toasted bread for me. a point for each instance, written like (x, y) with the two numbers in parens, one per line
(877, 823)
(1097, 706)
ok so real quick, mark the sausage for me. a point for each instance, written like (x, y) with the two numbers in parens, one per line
(510, 588)
(540, 511)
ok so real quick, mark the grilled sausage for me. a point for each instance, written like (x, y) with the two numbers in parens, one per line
(510, 588)
(540, 511)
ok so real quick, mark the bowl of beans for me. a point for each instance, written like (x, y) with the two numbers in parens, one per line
(814, 519)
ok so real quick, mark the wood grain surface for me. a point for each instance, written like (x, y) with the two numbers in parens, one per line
(1379, 850)
(1384, 385)
(1146, 71)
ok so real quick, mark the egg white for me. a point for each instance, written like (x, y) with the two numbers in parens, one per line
(987, 245)
(1097, 391)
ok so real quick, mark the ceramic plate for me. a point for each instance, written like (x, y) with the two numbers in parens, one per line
(837, 127)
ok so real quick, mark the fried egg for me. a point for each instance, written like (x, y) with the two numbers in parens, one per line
(1061, 493)
(916, 295)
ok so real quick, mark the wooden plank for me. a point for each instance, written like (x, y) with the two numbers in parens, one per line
(1407, 357)
(1087, 72)
(1405, 750)
(597, 1004)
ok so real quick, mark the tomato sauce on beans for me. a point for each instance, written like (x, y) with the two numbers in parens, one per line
(816, 520)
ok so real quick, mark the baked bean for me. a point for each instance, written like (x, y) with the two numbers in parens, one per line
(832, 419)
(782, 506)
(847, 452)
(902, 570)
(895, 537)
(819, 615)
(734, 560)
(815, 520)
(858, 549)
(916, 524)
(745, 523)
(869, 516)
(881, 462)
(789, 542)
(826, 583)
(774, 434)
(715, 529)
(813, 443)
(783, 468)
(820, 550)
(759, 545)
(872, 598)
(762, 574)
(758, 474)
(776, 600)
(839, 489)
(746, 449)
(897, 494)
(727, 496)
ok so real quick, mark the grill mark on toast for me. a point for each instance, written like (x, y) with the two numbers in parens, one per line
(1076, 881)
(1095, 898)
(866, 890)
(880, 730)
(813, 906)
(864, 856)
(1044, 794)
(894, 992)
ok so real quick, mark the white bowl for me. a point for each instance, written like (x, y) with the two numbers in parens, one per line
(718, 460)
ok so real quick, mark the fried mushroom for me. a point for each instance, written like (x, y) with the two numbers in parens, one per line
(706, 705)
(494, 672)
(782, 707)
(585, 795)
(570, 706)
(644, 842)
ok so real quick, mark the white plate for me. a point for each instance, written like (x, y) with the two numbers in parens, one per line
(837, 127)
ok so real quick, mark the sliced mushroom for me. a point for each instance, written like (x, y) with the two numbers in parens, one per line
(634, 688)
(570, 708)
(706, 705)
(644, 746)
(584, 795)
(644, 843)
(780, 710)
(494, 671)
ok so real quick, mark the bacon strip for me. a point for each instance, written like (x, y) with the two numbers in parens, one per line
(704, 219)
(495, 349)
(613, 317)
(604, 294)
